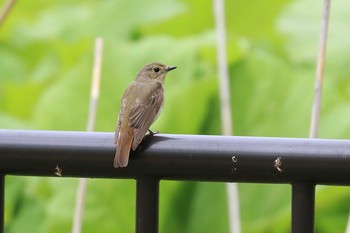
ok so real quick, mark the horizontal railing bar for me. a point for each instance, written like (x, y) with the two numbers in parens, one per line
(179, 157)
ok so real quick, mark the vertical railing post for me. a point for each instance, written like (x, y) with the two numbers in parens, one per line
(2, 202)
(303, 207)
(147, 203)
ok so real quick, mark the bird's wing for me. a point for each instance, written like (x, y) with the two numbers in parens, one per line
(144, 111)
(120, 118)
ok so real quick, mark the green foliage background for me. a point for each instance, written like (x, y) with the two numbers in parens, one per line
(46, 54)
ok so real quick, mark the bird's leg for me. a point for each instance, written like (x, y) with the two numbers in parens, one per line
(151, 133)
(146, 139)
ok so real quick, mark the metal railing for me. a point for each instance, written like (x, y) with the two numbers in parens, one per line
(303, 163)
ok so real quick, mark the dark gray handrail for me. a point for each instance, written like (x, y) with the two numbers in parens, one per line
(179, 157)
(302, 162)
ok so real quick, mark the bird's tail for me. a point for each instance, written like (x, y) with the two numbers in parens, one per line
(121, 158)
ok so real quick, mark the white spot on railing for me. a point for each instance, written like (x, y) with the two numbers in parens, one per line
(278, 164)
(58, 171)
(234, 159)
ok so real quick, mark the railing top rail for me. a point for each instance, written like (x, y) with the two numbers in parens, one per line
(178, 157)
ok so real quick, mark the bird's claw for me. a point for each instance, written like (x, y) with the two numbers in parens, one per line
(151, 133)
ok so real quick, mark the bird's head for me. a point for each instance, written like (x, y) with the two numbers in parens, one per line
(154, 71)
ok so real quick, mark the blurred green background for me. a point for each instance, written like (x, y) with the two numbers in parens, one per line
(46, 56)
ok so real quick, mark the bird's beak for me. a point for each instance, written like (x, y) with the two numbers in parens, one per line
(170, 68)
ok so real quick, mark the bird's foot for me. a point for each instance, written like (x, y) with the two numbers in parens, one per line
(146, 140)
(151, 133)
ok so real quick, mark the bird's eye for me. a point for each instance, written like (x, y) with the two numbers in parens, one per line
(156, 69)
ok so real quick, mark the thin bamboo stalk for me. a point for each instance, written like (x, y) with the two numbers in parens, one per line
(6, 10)
(225, 107)
(94, 96)
(315, 117)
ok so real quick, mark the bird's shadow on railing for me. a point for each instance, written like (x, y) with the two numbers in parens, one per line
(151, 139)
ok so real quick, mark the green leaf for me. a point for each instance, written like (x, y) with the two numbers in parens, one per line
(209, 209)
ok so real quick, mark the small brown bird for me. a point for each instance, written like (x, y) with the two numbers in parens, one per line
(139, 108)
